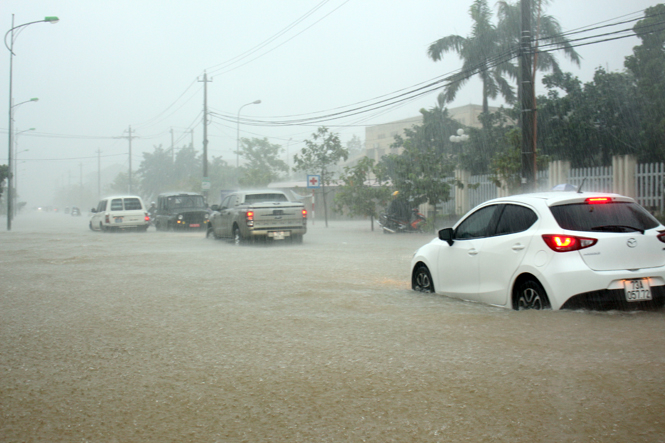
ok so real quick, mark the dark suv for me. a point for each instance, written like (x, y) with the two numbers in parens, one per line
(181, 210)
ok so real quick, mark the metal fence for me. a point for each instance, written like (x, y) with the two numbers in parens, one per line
(649, 177)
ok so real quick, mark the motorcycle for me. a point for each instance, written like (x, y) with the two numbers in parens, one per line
(394, 225)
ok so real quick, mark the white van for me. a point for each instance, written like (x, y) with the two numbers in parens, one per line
(121, 212)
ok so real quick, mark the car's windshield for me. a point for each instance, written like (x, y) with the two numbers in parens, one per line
(185, 201)
(616, 216)
(261, 198)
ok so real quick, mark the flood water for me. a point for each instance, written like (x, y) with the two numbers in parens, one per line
(170, 337)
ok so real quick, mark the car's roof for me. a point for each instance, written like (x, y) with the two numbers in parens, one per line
(121, 196)
(558, 197)
(171, 194)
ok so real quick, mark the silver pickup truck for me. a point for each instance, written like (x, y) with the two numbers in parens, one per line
(250, 215)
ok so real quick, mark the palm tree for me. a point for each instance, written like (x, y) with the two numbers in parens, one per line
(482, 53)
(490, 50)
(547, 31)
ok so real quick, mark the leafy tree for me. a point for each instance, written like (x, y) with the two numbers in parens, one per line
(188, 166)
(547, 27)
(424, 171)
(319, 156)
(222, 178)
(647, 64)
(479, 53)
(354, 146)
(591, 122)
(360, 194)
(121, 184)
(157, 172)
(263, 164)
(4, 173)
(476, 153)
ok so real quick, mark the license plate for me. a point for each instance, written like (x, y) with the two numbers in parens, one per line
(118, 220)
(195, 225)
(277, 235)
(637, 290)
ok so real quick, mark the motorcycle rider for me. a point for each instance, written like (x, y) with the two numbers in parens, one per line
(399, 208)
(152, 211)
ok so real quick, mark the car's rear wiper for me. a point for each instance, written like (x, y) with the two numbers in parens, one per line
(617, 228)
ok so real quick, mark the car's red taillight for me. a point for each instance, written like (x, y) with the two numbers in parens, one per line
(661, 236)
(304, 213)
(567, 243)
(147, 217)
(108, 220)
(249, 215)
(598, 200)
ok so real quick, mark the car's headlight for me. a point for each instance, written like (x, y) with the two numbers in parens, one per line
(180, 217)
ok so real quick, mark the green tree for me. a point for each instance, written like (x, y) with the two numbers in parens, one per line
(157, 172)
(319, 156)
(4, 173)
(362, 191)
(546, 27)
(479, 53)
(647, 64)
(590, 122)
(262, 163)
(424, 170)
(222, 178)
(121, 184)
(354, 146)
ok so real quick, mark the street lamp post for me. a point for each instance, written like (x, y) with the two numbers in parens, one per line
(256, 102)
(16, 153)
(10, 47)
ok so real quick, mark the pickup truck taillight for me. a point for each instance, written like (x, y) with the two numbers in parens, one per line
(249, 216)
(108, 220)
(304, 213)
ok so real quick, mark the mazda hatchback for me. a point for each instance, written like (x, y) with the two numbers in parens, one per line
(553, 250)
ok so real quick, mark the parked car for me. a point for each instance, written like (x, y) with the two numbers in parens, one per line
(549, 250)
(76, 211)
(120, 213)
(250, 215)
(181, 210)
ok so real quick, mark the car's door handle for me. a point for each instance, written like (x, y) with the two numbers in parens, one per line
(518, 247)
(473, 252)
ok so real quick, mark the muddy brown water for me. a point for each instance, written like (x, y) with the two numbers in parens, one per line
(169, 337)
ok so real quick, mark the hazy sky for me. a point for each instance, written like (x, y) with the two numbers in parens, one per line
(111, 64)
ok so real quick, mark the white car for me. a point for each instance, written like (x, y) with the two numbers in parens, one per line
(549, 250)
(120, 212)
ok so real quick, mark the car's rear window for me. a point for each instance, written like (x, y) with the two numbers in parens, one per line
(116, 204)
(260, 198)
(132, 204)
(614, 217)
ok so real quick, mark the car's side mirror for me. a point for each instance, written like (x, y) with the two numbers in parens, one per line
(215, 207)
(446, 235)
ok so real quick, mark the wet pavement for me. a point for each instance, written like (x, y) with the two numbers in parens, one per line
(171, 337)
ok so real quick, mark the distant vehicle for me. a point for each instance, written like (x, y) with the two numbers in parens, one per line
(180, 210)
(120, 213)
(75, 211)
(249, 215)
(549, 250)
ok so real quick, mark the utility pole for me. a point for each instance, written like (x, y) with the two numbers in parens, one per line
(526, 101)
(99, 174)
(205, 183)
(130, 137)
(172, 148)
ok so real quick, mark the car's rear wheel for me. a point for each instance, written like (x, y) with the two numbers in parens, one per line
(531, 295)
(237, 236)
(90, 225)
(422, 279)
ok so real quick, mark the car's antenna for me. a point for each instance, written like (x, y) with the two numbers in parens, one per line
(579, 190)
